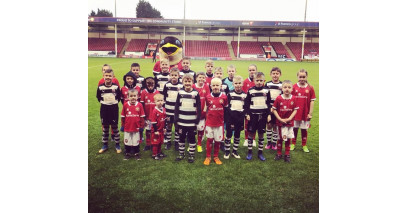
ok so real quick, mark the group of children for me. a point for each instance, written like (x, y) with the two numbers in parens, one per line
(201, 104)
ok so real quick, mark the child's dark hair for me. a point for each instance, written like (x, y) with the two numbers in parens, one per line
(109, 71)
(149, 80)
(135, 65)
(200, 73)
(276, 69)
(259, 75)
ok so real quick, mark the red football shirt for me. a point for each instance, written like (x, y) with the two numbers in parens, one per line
(158, 117)
(124, 92)
(208, 79)
(114, 81)
(247, 84)
(133, 114)
(147, 99)
(304, 96)
(284, 107)
(203, 91)
(215, 109)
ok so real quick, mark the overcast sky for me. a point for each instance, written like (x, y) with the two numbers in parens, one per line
(264, 10)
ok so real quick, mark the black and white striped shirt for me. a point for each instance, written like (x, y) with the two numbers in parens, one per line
(160, 80)
(187, 108)
(275, 89)
(258, 101)
(108, 95)
(170, 93)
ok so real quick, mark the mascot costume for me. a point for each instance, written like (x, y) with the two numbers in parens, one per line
(170, 48)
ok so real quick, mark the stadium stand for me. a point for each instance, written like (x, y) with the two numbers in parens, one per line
(195, 48)
(105, 44)
(252, 47)
(296, 48)
(138, 45)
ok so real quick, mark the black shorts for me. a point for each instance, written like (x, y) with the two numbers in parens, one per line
(273, 119)
(257, 122)
(109, 114)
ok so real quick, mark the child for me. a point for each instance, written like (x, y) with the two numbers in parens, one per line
(170, 93)
(132, 116)
(147, 101)
(104, 68)
(203, 90)
(257, 106)
(163, 77)
(187, 116)
(305, 100)
(129, 83)
(275, 88)
(139, 81)
(284, 109)
(209, 66)
(235, 117)
(229, 80)
(216, 103)
(246, 85)
(218, 73)
(108, 94)
(158, 118)
(186, 69)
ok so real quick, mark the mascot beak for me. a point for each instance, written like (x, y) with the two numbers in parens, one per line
(170, 49)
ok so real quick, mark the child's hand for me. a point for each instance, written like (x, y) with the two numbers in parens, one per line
(248, 117)
(156, 133)
(309, 116)
(164, 130)
(232, 126)
(284, 120)
(269, 118)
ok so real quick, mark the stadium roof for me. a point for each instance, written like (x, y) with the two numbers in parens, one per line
(205, 27)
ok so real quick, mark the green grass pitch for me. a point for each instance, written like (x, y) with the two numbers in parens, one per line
(115, 185)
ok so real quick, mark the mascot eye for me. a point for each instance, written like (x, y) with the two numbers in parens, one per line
(178, 43)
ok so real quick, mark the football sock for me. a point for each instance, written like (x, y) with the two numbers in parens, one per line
(236, 144)
(260, 143)
(279, 145)
(269, 134)
(287, 147)
(209, 143)
(249, 142)
(295, 130)
(216, 148)
(199, 137)
(227, 144)
(304, 136)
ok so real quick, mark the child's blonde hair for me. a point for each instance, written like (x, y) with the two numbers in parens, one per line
(132, 90)
(158, 96)
(164, 59)
(230, 67)
(286, 82)
(209, 62)
(187, 76)
(218, 69)
(237, 78)
(216, 80)
(174, 70)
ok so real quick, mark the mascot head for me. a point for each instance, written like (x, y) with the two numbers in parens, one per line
(171, 48)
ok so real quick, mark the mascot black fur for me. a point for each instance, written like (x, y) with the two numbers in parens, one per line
(171, 48)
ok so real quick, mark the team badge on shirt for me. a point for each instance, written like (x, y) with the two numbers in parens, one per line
(221, 101)
(284, 107)
(204, 91)
(137, 109)
(291, 103)
(307, 91)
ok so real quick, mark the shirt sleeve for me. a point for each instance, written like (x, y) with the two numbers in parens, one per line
(199, 107)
